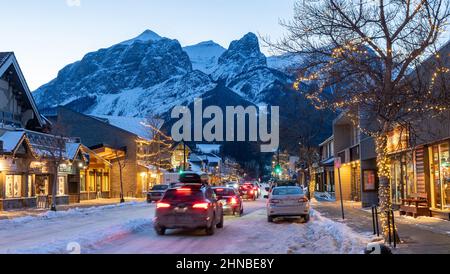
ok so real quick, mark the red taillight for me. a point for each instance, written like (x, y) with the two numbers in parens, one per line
(184, 189)
(251, 191)
(201, 206)
(162, 205)
(233, 200)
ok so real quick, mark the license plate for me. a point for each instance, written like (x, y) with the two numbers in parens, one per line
(180, 210)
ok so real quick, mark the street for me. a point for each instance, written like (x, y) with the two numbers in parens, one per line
(127, 229)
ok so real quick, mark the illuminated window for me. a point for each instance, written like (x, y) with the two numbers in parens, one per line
(13, 186)
(61, 186)
(398, 139)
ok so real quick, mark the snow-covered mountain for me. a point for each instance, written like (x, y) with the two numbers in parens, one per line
(151, 74)
(205, 55)
(242, 56)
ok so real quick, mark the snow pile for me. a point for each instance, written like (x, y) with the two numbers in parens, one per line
(330, 237)
(324, 196)
(50, 215)
(89, 241)
(319, 236)
(91, 237)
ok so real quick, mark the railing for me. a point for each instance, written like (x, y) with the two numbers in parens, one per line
(392, 231)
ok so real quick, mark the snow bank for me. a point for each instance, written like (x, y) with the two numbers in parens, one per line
(330, 237)
(87, 242)
(6, 224)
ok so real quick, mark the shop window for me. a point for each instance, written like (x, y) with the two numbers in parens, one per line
(105, 186)
(91, 181)
(82, 181)
(440, 173)
(30, 185)
(61, 186)
(403, 183)
(13, 185)
(398, 139)
(99, 182)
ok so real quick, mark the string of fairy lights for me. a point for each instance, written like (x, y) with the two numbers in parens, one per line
(351, 53)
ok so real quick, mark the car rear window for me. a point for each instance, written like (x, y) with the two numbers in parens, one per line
(224, 192)
(183, 195)
(288, 191)
(160, 187)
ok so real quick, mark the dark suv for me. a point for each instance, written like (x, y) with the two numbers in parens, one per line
(189, 206)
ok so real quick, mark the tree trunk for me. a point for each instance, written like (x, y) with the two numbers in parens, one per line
(384, 191)
(54, 186)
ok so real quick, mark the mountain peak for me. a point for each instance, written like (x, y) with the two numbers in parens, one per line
(242, 56)
(146, 36)
(249, 40)
(205, 55)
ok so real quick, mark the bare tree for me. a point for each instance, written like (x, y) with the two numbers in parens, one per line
(365, 58)
(160, 144)
(121, 160)
(51, 149)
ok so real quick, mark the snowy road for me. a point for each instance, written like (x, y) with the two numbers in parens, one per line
(127, 229)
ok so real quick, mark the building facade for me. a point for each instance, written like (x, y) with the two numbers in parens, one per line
(324, 170)
(124, 142)
(358, 172)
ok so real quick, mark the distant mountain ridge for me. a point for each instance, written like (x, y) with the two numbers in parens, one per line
(150, 74)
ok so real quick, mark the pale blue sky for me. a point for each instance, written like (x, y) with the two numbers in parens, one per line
(48, 34)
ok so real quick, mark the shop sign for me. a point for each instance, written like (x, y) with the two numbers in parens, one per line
(369, 180)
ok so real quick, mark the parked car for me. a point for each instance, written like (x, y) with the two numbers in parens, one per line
(156, 193)
(231, 201)
(287, 201)
(248, 191)
(191, 206)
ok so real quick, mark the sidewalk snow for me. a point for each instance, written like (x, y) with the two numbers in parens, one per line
(79, 211)
(88, 241)
(52, 232)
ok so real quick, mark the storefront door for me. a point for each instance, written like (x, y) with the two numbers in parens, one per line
(402, 177)
(440, 176)
(356, 183)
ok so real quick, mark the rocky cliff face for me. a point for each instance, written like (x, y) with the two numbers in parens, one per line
(150, 75)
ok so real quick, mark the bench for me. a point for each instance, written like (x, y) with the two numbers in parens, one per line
(415, 205)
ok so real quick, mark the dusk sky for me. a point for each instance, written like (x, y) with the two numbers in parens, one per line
(46, 35)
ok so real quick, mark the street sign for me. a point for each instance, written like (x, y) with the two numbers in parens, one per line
(337, 162)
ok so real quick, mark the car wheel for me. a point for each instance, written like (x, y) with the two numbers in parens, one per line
(211, 229)
(160, 230)
(306, 217)
(220, 224)
(270, 219)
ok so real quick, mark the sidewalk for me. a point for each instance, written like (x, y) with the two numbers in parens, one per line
(423, 235)
(83, 204)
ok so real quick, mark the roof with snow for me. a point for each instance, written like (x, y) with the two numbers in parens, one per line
(137, 126)
(11, 140)
(4, 56)
(8, 62)
(72, 150)
(208, 148)
(207, 157)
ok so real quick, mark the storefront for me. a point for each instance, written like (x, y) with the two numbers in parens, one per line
(94, 177)
(439, 159)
